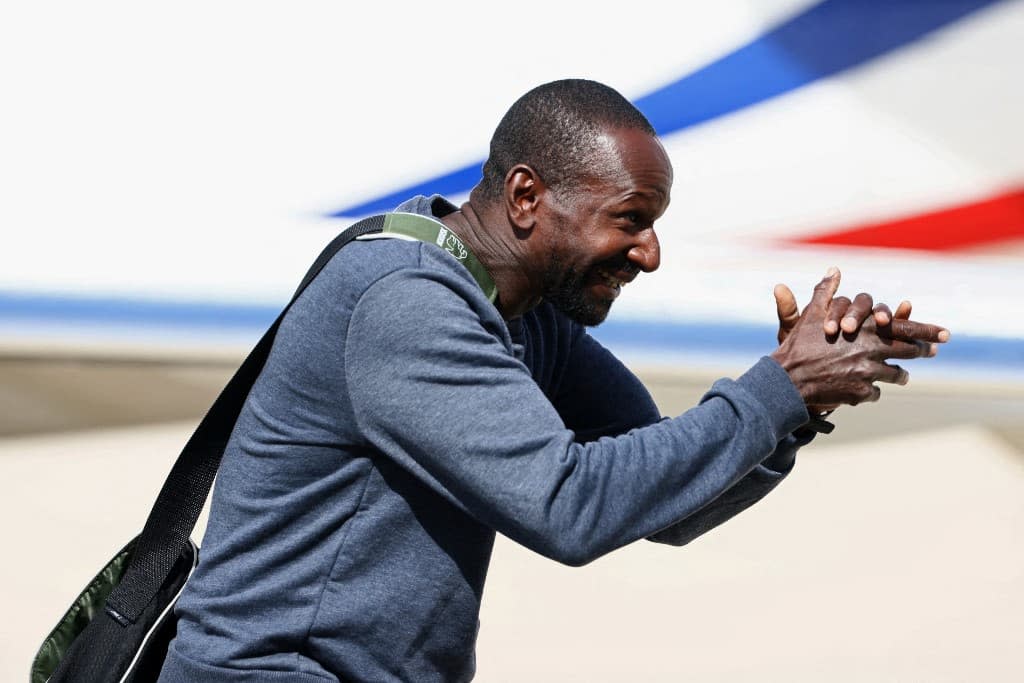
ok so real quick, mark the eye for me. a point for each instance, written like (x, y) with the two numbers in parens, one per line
(634, 221)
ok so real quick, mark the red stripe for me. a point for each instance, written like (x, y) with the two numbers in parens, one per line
(992, 220)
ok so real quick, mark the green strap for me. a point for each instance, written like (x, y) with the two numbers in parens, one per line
(428, 230)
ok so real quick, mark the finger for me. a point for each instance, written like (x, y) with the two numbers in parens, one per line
(898, 348)
(870, 393)
(835, 312)
(824, 292)
(908, 329)
(786, 308)
(893, 374)
(883, 315)
(857, 313)
(927, 350)
(903, 310)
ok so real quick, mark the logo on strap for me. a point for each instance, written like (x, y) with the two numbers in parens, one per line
(450, 242)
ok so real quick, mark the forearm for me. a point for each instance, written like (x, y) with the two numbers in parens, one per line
(717, 459)
(752, 488)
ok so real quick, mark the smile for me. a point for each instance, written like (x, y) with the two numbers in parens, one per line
(608, 279)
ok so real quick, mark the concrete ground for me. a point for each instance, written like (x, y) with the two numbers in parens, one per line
(894, 552)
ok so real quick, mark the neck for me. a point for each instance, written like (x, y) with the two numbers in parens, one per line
(498, 249)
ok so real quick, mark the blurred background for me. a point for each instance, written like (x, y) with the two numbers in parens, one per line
(168, 173)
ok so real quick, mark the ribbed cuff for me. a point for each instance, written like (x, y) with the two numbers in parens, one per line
(770, 385)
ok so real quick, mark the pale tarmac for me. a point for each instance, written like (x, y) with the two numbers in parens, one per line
(894, 552)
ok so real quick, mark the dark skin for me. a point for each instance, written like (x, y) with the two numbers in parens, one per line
(846, 317)
(579, 247)
(610, 218)
(845, 368)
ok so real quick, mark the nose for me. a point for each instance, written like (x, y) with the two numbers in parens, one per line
(645, 254)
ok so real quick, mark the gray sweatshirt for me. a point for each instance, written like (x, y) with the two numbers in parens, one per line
(399, 422)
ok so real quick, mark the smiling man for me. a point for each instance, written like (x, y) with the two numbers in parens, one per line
(423, 395)
(604, 178)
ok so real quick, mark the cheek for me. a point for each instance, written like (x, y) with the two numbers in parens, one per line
(611, 251)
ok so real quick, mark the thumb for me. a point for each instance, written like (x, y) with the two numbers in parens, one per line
(785, 306)
(823, 292)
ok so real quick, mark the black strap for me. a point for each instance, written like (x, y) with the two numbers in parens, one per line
(184, 492)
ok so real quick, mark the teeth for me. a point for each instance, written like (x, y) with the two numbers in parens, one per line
(609, 280)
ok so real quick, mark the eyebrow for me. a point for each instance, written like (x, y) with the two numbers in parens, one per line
(642, 195)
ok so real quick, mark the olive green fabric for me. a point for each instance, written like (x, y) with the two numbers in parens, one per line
(428, 230)
(88, 604)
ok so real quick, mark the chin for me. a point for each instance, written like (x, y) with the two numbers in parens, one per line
(588, 313)
(578, 304)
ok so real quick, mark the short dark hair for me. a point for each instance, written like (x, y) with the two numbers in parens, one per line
(555, 129)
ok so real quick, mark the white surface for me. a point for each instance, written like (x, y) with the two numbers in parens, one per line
(191, 153)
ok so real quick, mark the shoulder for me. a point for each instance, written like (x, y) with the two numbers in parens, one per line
(388, 288)
(377, 297)
(406, 281)
(376, 263)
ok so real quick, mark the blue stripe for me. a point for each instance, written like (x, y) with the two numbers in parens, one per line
(669, 338)
(106, 312)
(461, 180)
(833, 36)
(737, 339)
(830, 37)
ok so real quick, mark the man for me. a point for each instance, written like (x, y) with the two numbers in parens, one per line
(412, 406)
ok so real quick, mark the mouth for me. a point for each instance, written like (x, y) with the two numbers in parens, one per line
(614, 280)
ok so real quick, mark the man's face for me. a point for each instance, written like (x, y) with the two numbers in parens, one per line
(602, 236)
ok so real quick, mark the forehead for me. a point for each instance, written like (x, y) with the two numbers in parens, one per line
(629, 163)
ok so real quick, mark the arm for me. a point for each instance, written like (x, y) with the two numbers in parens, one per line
(598, 396)
(748, 491)
(435, 390)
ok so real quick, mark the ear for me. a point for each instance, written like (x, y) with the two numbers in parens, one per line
(523, 189)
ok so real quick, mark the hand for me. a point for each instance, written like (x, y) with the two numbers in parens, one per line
(841, 369)
(849, 316)
(856, 312)
(789, 314)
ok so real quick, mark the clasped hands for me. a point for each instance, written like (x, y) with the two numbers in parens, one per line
(836, 349)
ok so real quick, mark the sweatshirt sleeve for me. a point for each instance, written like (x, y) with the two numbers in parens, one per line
(434, 388)
(598, 395)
